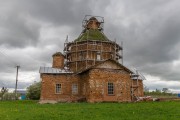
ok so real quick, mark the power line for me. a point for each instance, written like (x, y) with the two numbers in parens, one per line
(4, 54)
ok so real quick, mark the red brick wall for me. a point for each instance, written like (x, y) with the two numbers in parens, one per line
(98, 85)
(139, 91)
(92, 86)
(49, 82)
(58, 62)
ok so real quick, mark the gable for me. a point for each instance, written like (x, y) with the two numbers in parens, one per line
(109, 65)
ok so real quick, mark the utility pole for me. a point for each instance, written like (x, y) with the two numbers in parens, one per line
(17, 67)
(122, 52)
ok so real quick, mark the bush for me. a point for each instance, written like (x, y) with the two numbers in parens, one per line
(34, 91)
(10, 96)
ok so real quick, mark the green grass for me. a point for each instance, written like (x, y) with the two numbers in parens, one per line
(31, 110)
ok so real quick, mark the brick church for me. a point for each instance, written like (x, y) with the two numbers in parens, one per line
(90, 69)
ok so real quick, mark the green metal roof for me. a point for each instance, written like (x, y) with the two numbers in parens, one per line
(92, 34)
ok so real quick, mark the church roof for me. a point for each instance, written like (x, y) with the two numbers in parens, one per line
(134, 73)
(93, 18)
(92, 30)
(50, 70)
(92, 34)
(57, 54)
(53, 70)
(137, 75)
(125, 68)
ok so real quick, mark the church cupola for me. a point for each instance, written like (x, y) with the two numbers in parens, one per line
(92, 23)
(91, 47)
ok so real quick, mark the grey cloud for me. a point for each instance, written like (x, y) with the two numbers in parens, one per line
(149, 31)
(161, 85)
(57, 12)
(15, 30)
(150, 36)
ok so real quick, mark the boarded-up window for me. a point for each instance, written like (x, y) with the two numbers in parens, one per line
(110, 88)
(98, 57)
(74, 88)
(84, 89)
(58, 88)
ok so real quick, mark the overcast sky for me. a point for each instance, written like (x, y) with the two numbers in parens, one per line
(32, 30)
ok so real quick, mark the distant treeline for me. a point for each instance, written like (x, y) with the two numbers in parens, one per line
(160, 94)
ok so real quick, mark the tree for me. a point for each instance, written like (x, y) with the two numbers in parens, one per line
(34, 91)
(157, 91)
(2, 92)
(165, 90)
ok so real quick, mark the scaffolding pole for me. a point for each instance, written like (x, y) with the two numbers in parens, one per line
(76, 56)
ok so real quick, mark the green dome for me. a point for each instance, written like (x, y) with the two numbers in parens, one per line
(92, 34)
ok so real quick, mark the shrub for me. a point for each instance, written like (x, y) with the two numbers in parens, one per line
(34, 91)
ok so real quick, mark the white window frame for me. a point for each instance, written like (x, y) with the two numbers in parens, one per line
(74, 88)
(58, 88)
(110, 88)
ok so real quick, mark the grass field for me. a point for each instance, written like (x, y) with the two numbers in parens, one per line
(31, 110)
